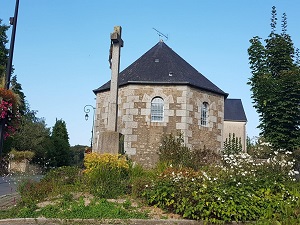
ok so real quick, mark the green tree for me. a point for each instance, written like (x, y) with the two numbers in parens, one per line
(59, 154)
(3, 49)
(32, 135)
(77, 155)
(17, 88)
(275, 86)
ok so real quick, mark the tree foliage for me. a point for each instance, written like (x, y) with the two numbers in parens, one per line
(3, 49)
(32, 135)
(59, 154)
(275, 86)
(77, 155)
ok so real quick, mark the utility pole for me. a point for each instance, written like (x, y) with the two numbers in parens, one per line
(13, 22)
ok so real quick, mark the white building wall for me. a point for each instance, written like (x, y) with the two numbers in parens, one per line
(236, 127)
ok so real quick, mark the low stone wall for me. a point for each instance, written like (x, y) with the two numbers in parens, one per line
(23, 166)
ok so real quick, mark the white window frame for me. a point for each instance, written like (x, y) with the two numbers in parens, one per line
(204, 114)
(157, 109)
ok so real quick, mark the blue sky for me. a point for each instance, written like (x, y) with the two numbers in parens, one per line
(61, 49)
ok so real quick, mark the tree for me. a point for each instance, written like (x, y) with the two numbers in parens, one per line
(77, 155)
(60, 154)
(275, 86)
(32, 135)
(3, 49)
(17, 88)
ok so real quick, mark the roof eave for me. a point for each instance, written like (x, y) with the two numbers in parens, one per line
(162, 83)
(245, 121)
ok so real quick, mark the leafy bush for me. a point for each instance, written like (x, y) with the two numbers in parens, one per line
(204, 157)
(239, 190)
(140, 179)
(107, 174)
(33, 191)
(57, 181)
(173, 152)
(63, 175)
(259, 148)
(20, 155)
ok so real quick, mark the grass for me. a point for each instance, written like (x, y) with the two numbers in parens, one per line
(82, 207)
(65, 193)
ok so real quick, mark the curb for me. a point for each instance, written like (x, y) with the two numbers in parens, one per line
(8, 200)
(45, 221)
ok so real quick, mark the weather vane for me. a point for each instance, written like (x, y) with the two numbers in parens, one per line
(161, 35)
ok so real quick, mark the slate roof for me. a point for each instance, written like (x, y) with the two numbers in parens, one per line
(234, 110)
(161, 65)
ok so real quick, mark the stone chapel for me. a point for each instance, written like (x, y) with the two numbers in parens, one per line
(160, 93)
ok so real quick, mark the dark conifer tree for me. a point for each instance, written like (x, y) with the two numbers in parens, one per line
(60, 154)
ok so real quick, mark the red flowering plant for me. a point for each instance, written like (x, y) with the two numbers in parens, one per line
(9, 111)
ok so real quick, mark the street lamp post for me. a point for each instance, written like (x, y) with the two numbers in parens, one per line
(13, 22)
(87, 110)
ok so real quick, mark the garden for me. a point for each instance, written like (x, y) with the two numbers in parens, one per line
(196, 185)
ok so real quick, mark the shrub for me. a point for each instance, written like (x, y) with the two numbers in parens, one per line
(173, 152)
(20, 155)
(259, 148)
(57, 181)
(64, 175)
(107, 174)
(204, 157)
(239, 190)
(140, 179)
(32, 192)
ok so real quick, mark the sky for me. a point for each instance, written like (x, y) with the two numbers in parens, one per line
(62, 47)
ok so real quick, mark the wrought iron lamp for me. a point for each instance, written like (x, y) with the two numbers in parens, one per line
(87, 109)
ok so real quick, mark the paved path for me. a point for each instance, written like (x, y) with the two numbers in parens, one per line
(8, 189)
(8, 194)
(8, 185)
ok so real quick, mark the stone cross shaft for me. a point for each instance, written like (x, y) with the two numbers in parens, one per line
(114, 58)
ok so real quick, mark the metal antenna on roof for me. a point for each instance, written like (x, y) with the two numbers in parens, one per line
(161, 35)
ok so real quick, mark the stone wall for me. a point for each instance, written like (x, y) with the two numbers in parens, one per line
(182, 106)
(23, 166)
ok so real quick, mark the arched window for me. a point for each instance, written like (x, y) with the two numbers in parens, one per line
(204, 114)
(157, 109)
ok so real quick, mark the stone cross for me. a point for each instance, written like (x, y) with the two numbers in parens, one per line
(114, 60)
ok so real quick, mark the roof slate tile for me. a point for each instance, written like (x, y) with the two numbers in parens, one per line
(161, 65)
(234, 110)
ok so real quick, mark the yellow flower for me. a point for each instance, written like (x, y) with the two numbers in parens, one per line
(93, 161)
